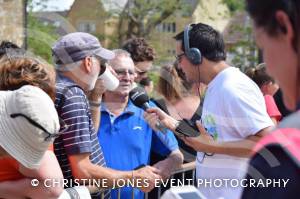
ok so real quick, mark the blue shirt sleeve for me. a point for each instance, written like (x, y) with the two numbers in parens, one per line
(166, 146)
(163, 143)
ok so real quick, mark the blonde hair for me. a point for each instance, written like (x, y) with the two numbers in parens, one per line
(169, 83)
(259, 75)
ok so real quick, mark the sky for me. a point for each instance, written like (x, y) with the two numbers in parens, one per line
(55, 5)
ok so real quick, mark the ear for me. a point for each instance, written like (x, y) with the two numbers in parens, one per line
(285, 25)
(87, 64)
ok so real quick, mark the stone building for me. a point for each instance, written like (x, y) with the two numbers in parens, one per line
(12, 20)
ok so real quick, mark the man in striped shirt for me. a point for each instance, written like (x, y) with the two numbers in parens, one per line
(77, 57)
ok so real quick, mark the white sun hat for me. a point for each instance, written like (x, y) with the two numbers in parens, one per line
(28, 124)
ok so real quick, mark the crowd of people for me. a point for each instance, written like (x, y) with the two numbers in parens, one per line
(61, 122)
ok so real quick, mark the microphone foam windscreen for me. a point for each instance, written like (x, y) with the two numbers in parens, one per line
(138, 96)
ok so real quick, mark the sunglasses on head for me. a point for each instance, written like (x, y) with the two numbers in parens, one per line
(50, 136)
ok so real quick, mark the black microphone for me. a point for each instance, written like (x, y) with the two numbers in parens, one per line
(140, 99)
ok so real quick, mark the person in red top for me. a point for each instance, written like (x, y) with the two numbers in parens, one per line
(34, 83)
(268, 87)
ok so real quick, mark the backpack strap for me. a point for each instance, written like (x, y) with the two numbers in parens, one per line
(286, 135)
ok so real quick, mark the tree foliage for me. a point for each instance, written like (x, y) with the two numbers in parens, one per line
(139, 17)
(244, 51)
(40, 36)
(234, 5)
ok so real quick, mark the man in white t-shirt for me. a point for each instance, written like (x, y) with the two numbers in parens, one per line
(234, 115)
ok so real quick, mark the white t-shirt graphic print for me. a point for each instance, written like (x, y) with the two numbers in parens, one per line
(233, 109)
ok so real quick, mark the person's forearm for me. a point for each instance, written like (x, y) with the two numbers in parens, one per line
(241, 148)
(175, 159)
(14, 189)
(107, 175)
(95, 111)
(49, 169)
(170, 164)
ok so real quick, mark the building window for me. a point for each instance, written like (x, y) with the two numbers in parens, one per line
(174, 27)
(87, 27)
(166, 27)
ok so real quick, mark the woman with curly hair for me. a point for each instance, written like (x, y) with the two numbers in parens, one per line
(18, 72)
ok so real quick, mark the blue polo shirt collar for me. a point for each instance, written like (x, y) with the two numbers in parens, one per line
(130, 108)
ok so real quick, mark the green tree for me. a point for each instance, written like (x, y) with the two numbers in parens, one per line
(139, 17)
(40, 36)
(244, 51)
(234, 5)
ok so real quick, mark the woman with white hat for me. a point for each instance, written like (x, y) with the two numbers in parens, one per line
(28, 125)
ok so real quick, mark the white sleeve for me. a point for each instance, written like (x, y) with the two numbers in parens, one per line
(246, 111)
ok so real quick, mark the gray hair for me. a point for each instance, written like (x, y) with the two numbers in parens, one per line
(118, 53)
(67, 67)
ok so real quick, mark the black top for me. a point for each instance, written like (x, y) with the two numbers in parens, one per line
(281, 167)
(197, 115)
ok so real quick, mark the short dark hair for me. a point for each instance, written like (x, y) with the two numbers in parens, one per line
(263, 13)
(208, 40)
(7, 45)
(145, 81)
(139, 49)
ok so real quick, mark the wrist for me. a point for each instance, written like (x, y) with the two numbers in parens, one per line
(173, 124)
(95, 103)
(94, 97)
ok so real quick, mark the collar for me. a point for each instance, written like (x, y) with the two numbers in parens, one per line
(61, 78)
(129, 109)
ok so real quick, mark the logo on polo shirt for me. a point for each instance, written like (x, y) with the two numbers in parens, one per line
(137, 128)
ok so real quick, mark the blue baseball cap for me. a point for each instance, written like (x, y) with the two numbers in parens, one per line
(76, 46)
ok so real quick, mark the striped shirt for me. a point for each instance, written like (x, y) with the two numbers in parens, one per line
(77, 131)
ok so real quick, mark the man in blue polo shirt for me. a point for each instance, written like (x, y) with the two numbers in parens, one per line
(77, 57)
(125, 136)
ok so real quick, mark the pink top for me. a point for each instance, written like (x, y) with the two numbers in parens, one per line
(288, 138)
(272, 109)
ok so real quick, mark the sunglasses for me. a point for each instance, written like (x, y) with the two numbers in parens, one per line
(50, 136)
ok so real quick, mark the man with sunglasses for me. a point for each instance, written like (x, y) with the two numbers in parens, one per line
(77, 57)
(125, 137)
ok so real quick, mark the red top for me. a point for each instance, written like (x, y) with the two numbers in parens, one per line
(272, 109)
(9, 168)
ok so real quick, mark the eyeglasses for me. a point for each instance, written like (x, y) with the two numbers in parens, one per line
(178, 57)
(121, 72)
(50, 136)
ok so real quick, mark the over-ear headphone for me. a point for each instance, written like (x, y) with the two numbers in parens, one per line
(193, 54)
